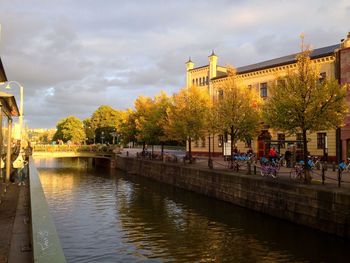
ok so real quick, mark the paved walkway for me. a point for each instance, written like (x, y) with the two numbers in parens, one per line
(331, 177)
(14, 227)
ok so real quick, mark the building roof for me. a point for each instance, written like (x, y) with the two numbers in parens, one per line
(316, 53)
(3, 77)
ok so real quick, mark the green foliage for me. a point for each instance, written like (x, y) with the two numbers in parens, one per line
(127, 127)
(70, 129)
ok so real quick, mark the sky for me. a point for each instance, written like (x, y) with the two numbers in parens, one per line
(72, 56)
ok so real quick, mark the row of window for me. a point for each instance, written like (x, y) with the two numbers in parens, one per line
(263, 86)
(321, 141)
(201, 81)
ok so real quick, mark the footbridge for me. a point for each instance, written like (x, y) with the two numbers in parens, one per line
(66, 151)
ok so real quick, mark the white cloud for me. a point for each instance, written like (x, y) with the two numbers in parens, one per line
(72, 56)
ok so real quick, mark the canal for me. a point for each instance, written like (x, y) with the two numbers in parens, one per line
(104, 215)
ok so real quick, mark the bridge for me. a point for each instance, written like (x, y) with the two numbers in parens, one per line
(66, 151)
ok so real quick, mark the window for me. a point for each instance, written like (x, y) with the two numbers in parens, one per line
(321, 140)
(250, 87)
(196, 82)
(203, 142)
(281, 82)
(207, 80)
(204, 81)
(322, 77)
(248, 143)
(299, 137)
(263, 90)
(196, 143)
(220, 94)
(281, 137)
(192, 81)
(200, 81)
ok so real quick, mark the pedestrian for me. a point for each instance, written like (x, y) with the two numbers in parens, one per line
(273, 154)
(19, 164)
(288, 157)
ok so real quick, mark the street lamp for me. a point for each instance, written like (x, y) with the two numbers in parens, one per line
(8, 86)
(102, 136)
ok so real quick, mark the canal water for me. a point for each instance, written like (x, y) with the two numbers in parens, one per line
(104, 215)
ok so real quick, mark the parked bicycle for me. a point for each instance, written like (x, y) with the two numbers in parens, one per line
(297, 172)
(269, 168)
(344, 166)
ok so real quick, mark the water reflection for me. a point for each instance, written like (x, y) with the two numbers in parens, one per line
(106, 216)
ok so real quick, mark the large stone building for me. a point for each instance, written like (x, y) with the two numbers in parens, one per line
(333, 61)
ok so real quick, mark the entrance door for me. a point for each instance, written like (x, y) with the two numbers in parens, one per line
(263, 148)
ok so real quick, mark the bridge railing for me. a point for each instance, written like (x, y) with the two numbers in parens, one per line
(75, 148)
(45, 241)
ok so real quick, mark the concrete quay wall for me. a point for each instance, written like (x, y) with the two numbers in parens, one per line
(315, 206)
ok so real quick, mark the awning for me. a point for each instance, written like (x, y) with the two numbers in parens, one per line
(9, 105)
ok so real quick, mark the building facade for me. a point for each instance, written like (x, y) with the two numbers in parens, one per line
(333, 62)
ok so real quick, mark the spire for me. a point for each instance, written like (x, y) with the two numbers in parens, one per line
(189, 59)
(212, 53)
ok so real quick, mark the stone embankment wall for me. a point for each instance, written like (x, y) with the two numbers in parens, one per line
(317, 207)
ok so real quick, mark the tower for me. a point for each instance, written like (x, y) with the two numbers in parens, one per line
(189, 66)
(213, 59)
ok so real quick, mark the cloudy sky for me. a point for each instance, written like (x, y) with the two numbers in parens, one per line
(72, 56)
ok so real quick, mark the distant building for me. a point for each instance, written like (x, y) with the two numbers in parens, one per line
(333, 61)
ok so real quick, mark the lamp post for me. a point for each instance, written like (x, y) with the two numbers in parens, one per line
(8, 86)
(102, 137)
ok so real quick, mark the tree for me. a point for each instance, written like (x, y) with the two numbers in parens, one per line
(127, 127)
(150, 118)
(237, 110)
(90, 133)
(301, 102)
(70, 129)
(188, 115)
(104, 121)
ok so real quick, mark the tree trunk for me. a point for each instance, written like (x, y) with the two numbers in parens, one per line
(152, 151)
(210, 161)
(189, 150)
(232, 145)
(307, 177)
(162, 150)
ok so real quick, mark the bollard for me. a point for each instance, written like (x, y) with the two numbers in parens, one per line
(325, 165)
(254, 168)
(323, 175)
(339, 178)
(249, 168)
(333, 166)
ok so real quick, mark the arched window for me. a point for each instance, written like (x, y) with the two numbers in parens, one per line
(207, 80)
(197, 82)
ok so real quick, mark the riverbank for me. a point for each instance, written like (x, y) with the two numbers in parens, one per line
(316, 206)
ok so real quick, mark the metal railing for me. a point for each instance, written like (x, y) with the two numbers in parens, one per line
(45, 241)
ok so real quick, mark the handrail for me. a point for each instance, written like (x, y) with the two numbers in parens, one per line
(45, 241)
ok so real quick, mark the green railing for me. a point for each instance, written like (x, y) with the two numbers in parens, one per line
(45, 241)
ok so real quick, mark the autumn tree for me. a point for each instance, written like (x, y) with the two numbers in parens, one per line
(70, 129)
(150, 118)
(238, 109)
(302, 102)
(188, 115)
